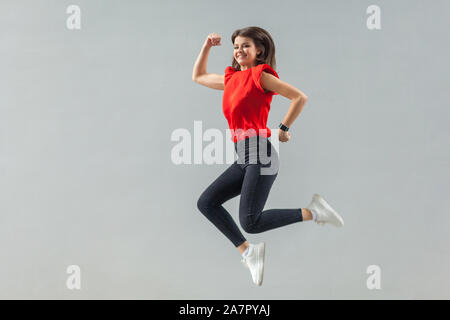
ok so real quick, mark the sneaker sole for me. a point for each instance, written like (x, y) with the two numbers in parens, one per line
(261, 251)
(326, 205)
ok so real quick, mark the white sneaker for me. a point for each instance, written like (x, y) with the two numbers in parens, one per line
(254, 260)
(325, 213)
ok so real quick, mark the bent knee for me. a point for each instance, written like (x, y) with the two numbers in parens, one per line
(248, 226)
(202, 203)
(205, 203)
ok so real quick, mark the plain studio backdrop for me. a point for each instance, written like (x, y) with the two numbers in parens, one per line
(87, 178)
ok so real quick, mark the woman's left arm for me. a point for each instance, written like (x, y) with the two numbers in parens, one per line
(297, 97)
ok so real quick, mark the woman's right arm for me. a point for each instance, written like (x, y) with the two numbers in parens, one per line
(199, 74)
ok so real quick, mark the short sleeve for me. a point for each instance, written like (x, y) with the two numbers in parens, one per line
(256, 73)
(229, 71)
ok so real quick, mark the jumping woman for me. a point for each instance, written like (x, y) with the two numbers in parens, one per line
(247, 96)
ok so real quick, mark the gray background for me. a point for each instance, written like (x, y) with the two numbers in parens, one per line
(87, 178)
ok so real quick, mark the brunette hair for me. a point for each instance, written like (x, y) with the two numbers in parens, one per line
(263, 41)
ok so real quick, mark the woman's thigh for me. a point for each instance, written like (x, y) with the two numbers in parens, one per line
(226, 186)
(255, 191)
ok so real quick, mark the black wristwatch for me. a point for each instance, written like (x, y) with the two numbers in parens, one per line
(283, 127)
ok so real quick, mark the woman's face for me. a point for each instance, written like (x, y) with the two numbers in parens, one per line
(245, 52)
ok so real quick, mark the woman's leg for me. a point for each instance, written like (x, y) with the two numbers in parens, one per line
(255, 190)
(225, 187)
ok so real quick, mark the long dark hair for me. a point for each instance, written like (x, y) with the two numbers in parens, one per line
(263, 41)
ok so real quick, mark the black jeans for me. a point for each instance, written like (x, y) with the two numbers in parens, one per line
(252, 177)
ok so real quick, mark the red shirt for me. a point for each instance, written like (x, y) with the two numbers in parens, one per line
(246, 104)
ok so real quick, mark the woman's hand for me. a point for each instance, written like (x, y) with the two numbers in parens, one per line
(213, 39)
(283, 136)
